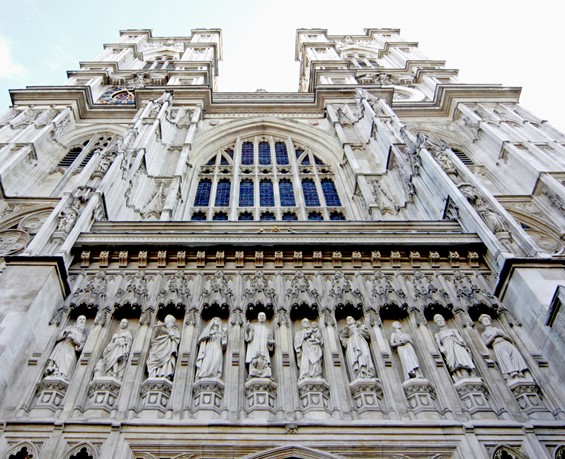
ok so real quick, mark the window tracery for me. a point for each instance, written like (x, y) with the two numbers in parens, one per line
(266, 178)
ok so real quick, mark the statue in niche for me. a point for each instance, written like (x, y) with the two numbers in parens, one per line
(260, 343)
(453, 347)
(210, 359)
(63, 358)
(115, 354)
(308, 344)
(511, 363)
(163, 349)
(403, 343)
(354, 338)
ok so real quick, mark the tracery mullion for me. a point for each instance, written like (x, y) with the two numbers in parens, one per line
(318, 184)
(275, 178)
(297, 182)
(233, 212)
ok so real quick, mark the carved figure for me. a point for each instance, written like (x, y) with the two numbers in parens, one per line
(163, 349)
(63, 358)
(260, 342)
(115, 354)
(354, 338)
(453, 347)
(308, 344)
(511, 363)
(210, 359)
(403, 343)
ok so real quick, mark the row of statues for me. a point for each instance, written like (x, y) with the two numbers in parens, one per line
(308, 346)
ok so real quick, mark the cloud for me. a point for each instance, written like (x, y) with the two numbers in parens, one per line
(8, 68)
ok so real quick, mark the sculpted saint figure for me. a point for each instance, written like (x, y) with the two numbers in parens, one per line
(260, 342)
(63, 358)
(212, 341)
(308, 346)
(354, 338)
(403, 343)
(511, 363)
(115, 355)
(453, 347)
(163, 349)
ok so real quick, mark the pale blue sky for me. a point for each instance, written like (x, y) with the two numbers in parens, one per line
(515, 43)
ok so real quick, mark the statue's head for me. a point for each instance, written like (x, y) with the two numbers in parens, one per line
(81, 321)
(169, 320)
(305, 323)
(396, 325)
(485, 320)
(350, 320)
(261, 317)
(124, 323)
(439, 320)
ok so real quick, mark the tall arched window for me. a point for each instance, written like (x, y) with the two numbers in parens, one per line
(275, 179)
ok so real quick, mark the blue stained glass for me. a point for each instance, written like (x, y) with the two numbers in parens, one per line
(223, 161)
(264, 153)
(330, 193)
(203, 193)
(246, 193)
(198, 216)
(267, 216)
(247, 153)
(246, 216)
(220, 216)
(310, 193)
(298, 152)
(281, 153)
(223, 193)
(266, 196)
(337, 216)
(229, 151)
(286, 193)
(315, 216)
(305, 161)
(318, 161)
(212, 162)
(289, 216)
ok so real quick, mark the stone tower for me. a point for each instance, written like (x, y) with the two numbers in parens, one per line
(371, 267)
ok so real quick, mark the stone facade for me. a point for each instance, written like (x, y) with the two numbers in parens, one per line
(371, 267)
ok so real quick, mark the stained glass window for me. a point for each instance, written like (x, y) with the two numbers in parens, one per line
(223, 193)
(286, 193)
(330, 193)
(281, 153)
(203, 193)
(246, 193)
(289, 216)
(264, 153)
(223, 160)
(267, 216)
(245, 216)
(337, 216)
(247, 153)
(318, 161)
(266, 197)
(212, 162)
(315, 216)
(198, 216)
(310, 193)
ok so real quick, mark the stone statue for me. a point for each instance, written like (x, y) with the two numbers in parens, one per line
(210, 359)
(260, 342)
(163, 349)
(354, 338)
(403, 343)
(453, 347)
(63, 358)
(115, 354)
(511, 363)
(308, 346)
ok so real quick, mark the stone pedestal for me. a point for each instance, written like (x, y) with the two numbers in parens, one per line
(102, 394)
(474, 395)
(527, 394)
(49, 396)
(155, 395)
(314, 396)
(261, 395)
(208, 395)
(367, 395)
(420, 395)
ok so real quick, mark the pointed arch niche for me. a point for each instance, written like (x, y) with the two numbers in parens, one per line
(268, 170)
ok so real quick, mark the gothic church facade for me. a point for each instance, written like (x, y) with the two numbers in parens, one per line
(371, 267)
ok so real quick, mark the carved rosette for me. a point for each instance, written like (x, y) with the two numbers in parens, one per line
(314, 396)
(474, 395)
(155, 394)
(528, 395)
(420, 395)
(12, 241)
(367, 395)
(49, 394)
(103, 393)
(261, 395)
(208, 395)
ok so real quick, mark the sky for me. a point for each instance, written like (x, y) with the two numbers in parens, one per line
(514, 43)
